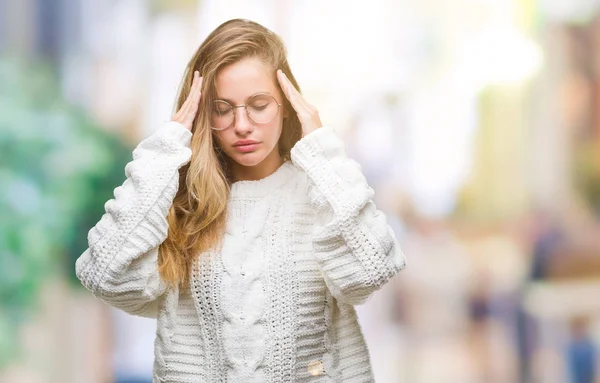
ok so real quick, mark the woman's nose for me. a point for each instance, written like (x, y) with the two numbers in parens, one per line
(242, 123)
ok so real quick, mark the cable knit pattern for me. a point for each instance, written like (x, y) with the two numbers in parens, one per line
(242, 290)
(275, 302)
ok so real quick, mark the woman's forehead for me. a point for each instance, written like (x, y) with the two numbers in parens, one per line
(239, 81)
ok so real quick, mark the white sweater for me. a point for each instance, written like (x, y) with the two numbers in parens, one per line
(275, 304)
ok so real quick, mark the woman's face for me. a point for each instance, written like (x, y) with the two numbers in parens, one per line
(248, 142)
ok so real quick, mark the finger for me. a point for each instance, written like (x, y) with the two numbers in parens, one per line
(186, 103)
(198, 90)
(195, 85)
(183, 111)
(191, 95)
(296, 99)
(282, 82)
(195, 99)
(297, 96)
(195, 96)
(290, 89)
(285, 86)
(197, 81)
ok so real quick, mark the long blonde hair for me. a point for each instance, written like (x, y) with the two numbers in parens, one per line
(199, 211)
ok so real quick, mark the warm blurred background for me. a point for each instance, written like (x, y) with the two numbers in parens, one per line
(477, 123)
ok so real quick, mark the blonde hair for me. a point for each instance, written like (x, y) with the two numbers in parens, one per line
(199, 211)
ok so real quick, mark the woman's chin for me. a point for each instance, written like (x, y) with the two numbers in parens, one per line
(248, 159)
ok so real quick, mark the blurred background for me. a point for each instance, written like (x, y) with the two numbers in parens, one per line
(477, 122)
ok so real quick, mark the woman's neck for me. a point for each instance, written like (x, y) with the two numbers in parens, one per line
(252, 173)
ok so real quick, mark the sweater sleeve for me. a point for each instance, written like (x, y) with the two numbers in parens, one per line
(355, 247)
(120, 266)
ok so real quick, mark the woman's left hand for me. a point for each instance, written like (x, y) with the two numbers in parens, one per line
(307, 114)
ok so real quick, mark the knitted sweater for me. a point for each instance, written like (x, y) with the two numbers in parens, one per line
(275, 302)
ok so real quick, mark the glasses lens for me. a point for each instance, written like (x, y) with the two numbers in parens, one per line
(222, 115)
(262, 108)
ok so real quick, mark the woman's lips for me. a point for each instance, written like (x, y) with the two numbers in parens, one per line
(246, 148)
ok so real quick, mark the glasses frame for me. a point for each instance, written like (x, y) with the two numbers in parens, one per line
(245, 106)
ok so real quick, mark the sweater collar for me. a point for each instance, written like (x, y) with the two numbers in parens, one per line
(262, 187)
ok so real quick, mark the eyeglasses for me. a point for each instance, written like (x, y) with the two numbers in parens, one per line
(260, 108)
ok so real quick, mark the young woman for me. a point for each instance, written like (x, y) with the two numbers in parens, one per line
(244, 229)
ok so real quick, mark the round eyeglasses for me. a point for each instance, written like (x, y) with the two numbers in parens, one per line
(260, 108)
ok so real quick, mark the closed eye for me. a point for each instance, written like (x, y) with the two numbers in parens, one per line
(259, 107)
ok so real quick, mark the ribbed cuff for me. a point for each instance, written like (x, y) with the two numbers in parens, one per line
(175, 131)
(323, 140)
(338, 180)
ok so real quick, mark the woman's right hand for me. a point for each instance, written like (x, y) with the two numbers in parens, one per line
(187, 113)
